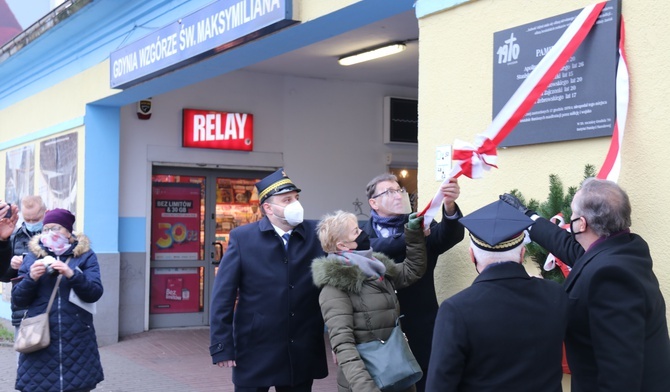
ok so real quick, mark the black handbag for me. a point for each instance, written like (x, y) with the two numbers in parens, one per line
(390, 362)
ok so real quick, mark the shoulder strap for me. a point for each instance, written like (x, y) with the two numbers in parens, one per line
(53, 293)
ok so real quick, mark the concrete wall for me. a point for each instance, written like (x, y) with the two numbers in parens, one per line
(106, 320)
(52, 106)
(132, 288)
(455, 102)
(312, 9)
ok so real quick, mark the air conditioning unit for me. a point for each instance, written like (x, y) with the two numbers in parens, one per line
(401, 120)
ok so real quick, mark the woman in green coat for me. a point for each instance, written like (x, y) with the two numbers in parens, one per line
(358, 299)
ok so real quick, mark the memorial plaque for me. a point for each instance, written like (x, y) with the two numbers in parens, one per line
(580, 102)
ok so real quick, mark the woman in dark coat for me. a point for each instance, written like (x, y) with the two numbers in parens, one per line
(357, 284)
(72, 361)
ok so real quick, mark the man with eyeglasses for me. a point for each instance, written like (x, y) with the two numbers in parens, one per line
(418, 303)
(617, 335)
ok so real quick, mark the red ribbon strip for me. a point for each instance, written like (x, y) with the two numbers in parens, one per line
(465, 155)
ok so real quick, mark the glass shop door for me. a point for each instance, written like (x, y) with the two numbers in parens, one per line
(192, 214)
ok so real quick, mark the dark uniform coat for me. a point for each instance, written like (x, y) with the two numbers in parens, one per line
(503, 333)
(5, 259)
(276, 334)
(418, 302)
(349, 296)
(617, 337)
(72, 361)
(19, 240)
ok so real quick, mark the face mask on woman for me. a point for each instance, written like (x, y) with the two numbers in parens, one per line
(55, 242)
(362, 241)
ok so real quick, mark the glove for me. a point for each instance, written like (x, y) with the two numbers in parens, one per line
(414, 222)
(516, 203)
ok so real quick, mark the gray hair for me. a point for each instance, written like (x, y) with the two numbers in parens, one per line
(485, 257)
(372, 185)
(604, 205)
(33, 200)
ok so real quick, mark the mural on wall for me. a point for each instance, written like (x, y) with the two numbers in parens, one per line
(19, 173)
(358, 210)
(57, 177)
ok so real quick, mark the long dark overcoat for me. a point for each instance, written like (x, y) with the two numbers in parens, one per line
(276, 334)
(503, 333)
(418, 302)
(19, 240)
(617, 337)
(72, 361)
(5, 259)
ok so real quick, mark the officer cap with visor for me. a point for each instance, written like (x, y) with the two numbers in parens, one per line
(276, 183)
(497, 227)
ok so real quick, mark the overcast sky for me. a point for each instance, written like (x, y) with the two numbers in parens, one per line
(28, 12)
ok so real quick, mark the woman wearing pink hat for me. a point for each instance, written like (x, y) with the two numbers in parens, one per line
(72, 361)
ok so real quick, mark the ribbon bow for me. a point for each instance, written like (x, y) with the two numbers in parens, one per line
(475, 160)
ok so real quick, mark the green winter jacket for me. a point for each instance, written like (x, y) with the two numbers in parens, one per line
(347, 293)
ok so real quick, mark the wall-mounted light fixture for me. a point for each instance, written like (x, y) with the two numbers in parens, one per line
(373, 53)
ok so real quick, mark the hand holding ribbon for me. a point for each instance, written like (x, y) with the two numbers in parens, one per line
(472, 162)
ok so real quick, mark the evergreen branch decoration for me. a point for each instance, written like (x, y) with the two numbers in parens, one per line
(557, 201)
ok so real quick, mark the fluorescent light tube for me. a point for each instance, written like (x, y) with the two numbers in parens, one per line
(372, 54)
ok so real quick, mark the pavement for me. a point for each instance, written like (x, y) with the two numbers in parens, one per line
(160, 360)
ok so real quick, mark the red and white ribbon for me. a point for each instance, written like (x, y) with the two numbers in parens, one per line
(612, 165)
(475, 159)
(526, 95)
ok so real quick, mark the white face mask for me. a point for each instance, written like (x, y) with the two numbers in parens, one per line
(293, 213)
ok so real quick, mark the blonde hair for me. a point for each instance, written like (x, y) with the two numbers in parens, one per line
(332, 228)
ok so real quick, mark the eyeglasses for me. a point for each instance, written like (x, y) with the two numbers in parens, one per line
(52, 228)
(391, 192)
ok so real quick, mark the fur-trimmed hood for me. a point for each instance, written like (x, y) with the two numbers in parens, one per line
(349, 278)
(83, 245)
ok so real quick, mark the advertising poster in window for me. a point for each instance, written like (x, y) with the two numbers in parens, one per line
(175, 290)
(175, 221)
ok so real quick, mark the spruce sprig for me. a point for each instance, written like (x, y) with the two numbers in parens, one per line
(557, 201)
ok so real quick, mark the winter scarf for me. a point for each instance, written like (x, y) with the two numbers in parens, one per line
(363, 259)
(387, 226)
